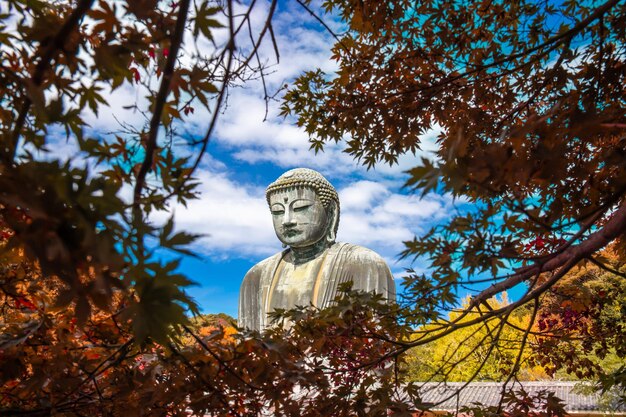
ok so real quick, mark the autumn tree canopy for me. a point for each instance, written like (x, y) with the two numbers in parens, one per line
(528, 99)
(582, 323)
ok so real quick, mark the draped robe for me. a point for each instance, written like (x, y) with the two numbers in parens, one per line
(278, 282)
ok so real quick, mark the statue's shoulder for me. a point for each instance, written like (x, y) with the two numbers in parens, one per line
(359, 254)
(367, 269)
(267, 265)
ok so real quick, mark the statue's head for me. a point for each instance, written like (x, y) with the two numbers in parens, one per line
(305, 208)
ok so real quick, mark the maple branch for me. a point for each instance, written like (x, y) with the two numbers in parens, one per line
(532, 293)
(208, 384)
(47, 53)
(615, 226)
(605, 267)
(159, 103)
(564, 261)
(122, 351)
(584, 227)
(526, 103)
(230, 52)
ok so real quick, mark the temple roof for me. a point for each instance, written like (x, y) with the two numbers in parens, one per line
(577, 397)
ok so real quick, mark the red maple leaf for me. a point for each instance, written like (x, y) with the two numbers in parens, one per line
(136, 74)
(21, 302)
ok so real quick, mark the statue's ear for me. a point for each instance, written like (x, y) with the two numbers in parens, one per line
(333, 222)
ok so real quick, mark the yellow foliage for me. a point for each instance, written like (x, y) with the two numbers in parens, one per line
(485, 351)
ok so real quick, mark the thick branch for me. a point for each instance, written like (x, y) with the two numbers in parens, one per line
(456, 324)
(564, 261)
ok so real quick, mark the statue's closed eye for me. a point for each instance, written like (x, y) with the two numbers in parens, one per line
(301, 205)
(277, 209)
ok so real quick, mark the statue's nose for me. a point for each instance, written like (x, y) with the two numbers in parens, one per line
(288, 219)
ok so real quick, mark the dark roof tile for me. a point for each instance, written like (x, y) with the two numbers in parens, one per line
(488, 394)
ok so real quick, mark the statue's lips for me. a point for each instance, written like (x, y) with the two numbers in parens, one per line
(291, 232)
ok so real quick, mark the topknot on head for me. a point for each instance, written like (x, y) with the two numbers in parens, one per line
(305, 177)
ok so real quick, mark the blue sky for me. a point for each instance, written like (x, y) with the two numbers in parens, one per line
(247, 153)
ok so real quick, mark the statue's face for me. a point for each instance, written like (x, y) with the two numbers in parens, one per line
(299, 217)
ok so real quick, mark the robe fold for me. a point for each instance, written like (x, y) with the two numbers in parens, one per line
(340, 263)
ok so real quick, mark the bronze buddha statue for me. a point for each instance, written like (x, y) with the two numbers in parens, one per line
(305, 213)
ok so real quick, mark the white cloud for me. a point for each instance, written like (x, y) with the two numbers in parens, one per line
(303, 46)
(233, 217)
(375, 216)
(236, 220)
(360, 195)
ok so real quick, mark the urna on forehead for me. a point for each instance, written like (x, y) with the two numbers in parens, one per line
(304, 177)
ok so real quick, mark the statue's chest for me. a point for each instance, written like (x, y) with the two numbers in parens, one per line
(295, 284)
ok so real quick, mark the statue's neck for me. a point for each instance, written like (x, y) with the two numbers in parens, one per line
(302, 255)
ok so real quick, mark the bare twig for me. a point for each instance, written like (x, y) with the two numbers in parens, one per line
(518, 359)
(220, 360)
(46, 55)
(328, 29)
(258, 60)
(257, 44)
